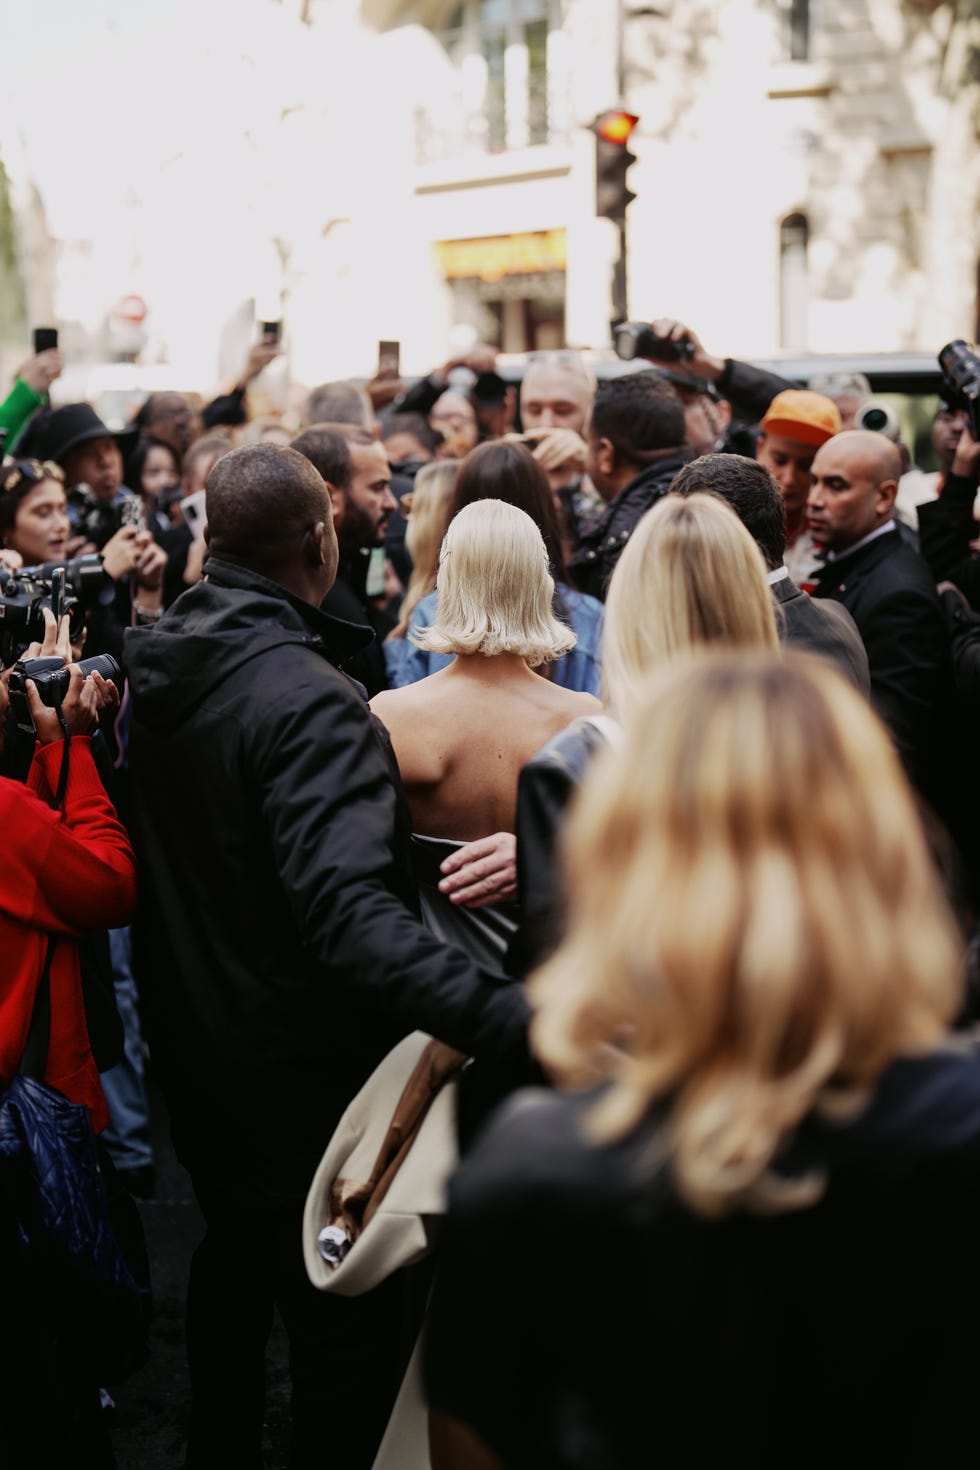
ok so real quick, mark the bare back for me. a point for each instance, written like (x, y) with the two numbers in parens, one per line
(462, 735)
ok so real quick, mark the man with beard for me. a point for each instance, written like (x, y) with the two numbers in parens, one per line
(355, 468)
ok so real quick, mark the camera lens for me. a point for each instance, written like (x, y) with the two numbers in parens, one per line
(875, 419)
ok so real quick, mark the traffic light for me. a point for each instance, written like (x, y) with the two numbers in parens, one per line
(612, 161)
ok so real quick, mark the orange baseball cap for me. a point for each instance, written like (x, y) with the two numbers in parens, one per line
(798, 414)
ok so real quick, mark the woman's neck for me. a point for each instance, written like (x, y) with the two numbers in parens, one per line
(493, 669)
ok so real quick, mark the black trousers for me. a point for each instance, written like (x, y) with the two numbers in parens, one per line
(346, 1356)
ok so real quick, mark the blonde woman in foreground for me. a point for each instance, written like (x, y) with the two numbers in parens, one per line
(745, 1232)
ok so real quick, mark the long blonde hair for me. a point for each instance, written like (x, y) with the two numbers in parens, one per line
(690, 574)
(428, 519)
(755, 928)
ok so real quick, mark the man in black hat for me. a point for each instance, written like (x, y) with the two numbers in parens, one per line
(89, 453)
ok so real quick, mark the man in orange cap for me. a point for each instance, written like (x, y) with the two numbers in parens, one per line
(796, 424)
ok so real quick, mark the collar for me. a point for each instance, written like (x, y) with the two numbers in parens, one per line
(781, 574)
(341, 638)
(832, 556)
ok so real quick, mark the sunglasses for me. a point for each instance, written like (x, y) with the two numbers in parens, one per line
(31, 472)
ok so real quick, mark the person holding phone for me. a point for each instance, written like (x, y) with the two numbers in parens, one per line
(31, 386)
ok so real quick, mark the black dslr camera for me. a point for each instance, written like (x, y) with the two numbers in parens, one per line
(26, 593)
(638, 339)
(50, 675)
(961, 381)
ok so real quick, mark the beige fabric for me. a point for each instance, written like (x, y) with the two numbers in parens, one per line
(383, 1176)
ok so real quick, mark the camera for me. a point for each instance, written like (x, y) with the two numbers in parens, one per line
(50, 676)
(25, 594)
(99, 520)
(880, 419)
(638, 339)
(961, 381)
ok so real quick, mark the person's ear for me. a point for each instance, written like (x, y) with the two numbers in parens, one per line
(315, 544)
(606, 456)
(885, 497)
(207, 534)
(337, 499)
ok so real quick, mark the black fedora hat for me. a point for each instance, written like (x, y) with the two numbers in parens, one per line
(54, 432)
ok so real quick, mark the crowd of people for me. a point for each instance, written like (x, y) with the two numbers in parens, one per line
(619, 736)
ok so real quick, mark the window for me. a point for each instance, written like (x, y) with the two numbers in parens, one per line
(795, 29)
(794, 235)
(511, 79)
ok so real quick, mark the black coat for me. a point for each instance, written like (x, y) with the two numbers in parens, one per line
(823, 627)
(598, 551)
(946, 528)
(583, 1319)
(889, 591)
(277, 947)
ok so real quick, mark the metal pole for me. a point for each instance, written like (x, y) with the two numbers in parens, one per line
(619, 295)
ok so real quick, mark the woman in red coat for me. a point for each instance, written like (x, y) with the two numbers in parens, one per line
(62, 873)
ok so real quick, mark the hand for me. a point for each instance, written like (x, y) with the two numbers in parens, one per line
(482, 872)
(10, 558)
(481, 358)
(966, 460)
(121, 551)
(386, 385)
(259, 358)
(151, 563)
(700, 363)
(55, 643)
(558, 449)
(85, 701)
(40, 371)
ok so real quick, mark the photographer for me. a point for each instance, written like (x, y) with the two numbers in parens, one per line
(35, 524)
(67, 870)
(947, 528)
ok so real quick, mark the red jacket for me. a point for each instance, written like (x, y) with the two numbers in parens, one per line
(62, 873)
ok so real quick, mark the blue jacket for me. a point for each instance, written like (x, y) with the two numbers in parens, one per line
(580, 669)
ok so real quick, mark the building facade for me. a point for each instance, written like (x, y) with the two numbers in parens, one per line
(807, 178)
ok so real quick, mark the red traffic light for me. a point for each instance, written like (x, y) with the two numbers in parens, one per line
(615, 126)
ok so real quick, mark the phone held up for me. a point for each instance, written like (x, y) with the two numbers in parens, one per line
(389, 356)
(45, 339)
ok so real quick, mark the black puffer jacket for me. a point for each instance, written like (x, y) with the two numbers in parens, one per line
(599, 551)
(275, 939)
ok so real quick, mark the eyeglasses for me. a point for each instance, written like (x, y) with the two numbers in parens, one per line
(31, 472)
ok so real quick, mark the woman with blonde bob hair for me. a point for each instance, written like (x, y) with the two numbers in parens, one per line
(690, 575)
(495, 589)
(763, 1176)
(461, 735)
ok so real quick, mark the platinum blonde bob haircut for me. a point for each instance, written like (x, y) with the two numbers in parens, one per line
(690, 575)
(495, 589)
(764, 933)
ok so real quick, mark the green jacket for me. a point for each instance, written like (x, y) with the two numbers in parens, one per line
(16, 409)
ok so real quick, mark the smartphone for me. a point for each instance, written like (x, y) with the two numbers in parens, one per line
(271, 331)
(58, 593)
(131, 513)
(45, 338)
(391, 351)
(192, 509)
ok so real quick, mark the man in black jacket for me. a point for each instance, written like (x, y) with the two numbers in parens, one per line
(636, 446)
(280, 953)
(823, 627)
(884, 584)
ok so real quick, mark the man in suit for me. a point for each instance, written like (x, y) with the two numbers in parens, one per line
(884, 584)
(752, 492)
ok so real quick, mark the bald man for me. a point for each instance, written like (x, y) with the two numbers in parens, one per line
(280, 958)
(885, 586)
